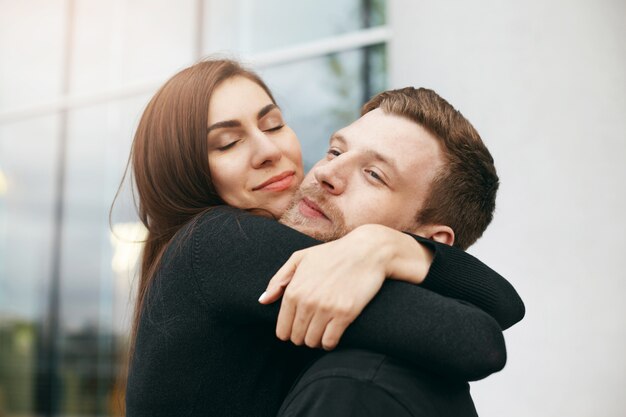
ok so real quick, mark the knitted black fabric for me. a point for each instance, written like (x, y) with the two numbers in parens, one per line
(206, 347)
(458, 274)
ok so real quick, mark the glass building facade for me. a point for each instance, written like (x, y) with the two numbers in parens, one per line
(75, 76)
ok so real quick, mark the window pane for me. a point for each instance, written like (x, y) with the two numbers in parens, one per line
(28, 168)
(124, 42)
(95, 300)
(117, 43)
(31, 51)
(249, 26)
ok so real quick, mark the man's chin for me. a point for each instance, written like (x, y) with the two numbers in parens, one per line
(318, 227)
(322, 233)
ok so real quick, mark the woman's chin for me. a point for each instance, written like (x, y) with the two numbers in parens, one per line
(279, 206)
(276, 207)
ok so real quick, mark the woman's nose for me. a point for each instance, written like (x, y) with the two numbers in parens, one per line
(266, 152)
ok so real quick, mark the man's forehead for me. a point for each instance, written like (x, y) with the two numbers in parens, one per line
(380, 130)
(387, 137)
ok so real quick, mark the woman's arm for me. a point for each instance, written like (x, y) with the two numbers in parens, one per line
(457, 274)
(236, 254)
(386, 252)
(451, 272)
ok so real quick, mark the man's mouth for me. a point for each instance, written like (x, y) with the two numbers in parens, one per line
(278, 182)
(311, 210)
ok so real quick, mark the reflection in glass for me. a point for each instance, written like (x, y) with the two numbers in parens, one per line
(26, 52)
(95, 293)
(250, 26)
(118, 43)
(123, 42)
(28, 166)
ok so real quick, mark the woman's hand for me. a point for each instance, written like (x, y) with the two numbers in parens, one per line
(327, 286)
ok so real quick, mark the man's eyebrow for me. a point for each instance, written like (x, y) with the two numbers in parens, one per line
(338, 137)
(390, 162)
(236, 123)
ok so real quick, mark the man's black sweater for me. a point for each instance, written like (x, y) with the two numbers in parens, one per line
(206, 347)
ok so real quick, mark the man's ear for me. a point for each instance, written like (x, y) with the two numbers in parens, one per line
(437, 232)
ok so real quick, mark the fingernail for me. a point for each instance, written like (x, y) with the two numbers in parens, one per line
(262, 297)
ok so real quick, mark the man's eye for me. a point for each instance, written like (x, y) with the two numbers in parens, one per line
(333, 152)
(374, 175)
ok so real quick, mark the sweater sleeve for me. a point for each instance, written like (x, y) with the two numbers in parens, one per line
(235, 255)
(457, 274)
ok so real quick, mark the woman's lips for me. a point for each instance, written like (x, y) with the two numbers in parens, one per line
(279, 182)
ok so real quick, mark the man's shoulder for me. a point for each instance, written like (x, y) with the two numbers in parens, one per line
(343, 382)
(377, 382)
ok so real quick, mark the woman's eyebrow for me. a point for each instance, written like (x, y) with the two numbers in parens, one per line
(236, 123)
(223, 125)
(266, 110)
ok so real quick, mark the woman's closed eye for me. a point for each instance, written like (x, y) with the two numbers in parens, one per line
(273, 122)
(275, 128)
(228, 146)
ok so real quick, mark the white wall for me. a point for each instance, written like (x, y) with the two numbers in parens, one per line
(544, 82)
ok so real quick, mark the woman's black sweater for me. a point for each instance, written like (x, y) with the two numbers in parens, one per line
(206, 347)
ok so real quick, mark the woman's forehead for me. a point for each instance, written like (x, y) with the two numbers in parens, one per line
(236, 98)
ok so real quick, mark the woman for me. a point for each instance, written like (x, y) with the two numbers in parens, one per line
(213, 136)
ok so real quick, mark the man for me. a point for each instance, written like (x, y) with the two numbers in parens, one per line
(413, 163)
(416, 151)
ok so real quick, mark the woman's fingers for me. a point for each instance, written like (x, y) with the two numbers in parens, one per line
(301, 322)
(315, 326)
(315, 331)
(285, 319)
(333, 332)
(317, 323)
(280, 280)
(324, 288)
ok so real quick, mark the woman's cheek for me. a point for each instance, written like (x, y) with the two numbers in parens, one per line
(291, 147)
(227, 177)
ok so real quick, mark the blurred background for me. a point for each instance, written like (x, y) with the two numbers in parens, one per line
(543, 82)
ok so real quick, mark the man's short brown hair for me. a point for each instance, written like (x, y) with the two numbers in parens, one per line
(463, 193)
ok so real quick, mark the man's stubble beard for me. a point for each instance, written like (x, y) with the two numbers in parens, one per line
(294, 219)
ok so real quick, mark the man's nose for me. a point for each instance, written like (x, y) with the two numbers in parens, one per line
(266, 152)
(332, 176)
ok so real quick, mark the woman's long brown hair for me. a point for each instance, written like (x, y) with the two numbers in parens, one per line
(170, 168)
